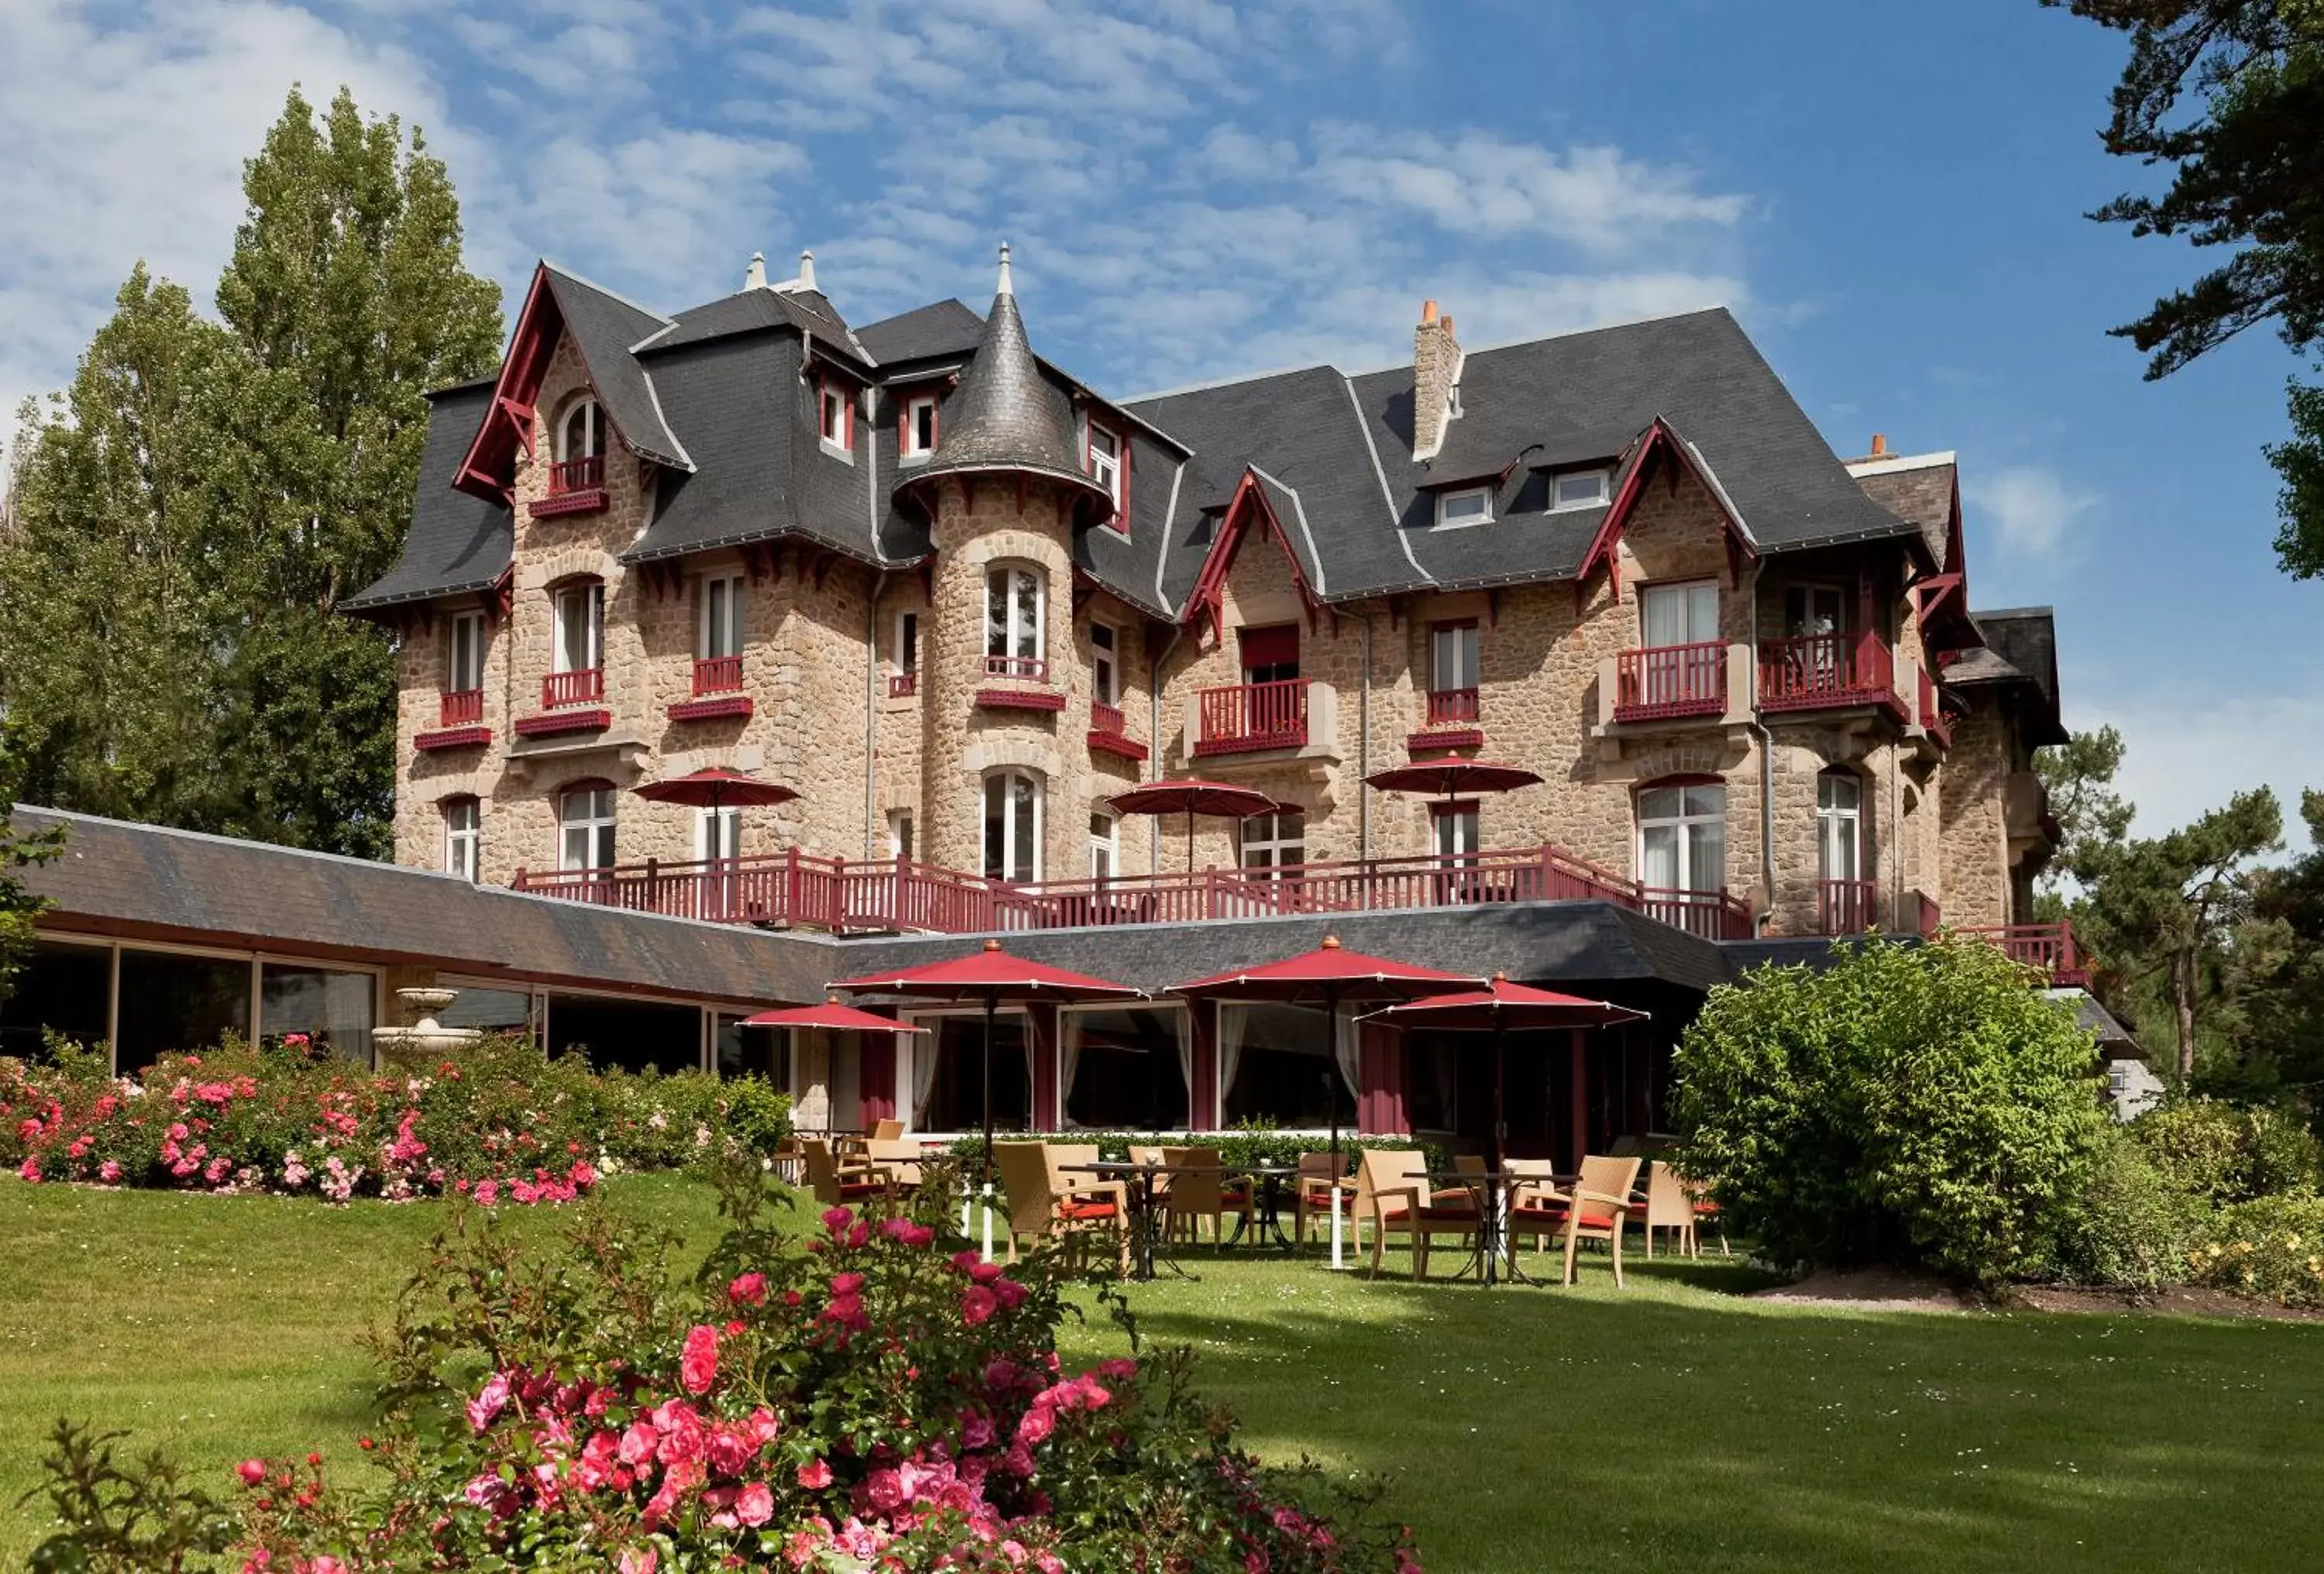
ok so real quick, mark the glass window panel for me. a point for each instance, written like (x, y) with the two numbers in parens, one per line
(737, 1051)
(956, 1096)
(179, 1003)
(493, 1010)
(1125, 1072)
(1286, 1075)
(60, 988)
(1027, 619)
(634, 1035)
(1658, 860)
(333, 1008)
(1659, 803)
(1702, 613)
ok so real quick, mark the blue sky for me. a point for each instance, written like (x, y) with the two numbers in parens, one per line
(1889, 195)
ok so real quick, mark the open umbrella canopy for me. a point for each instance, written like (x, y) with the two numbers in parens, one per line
(990, 973)
(716, 787)
(1451, 777)
(1505, 1005)
(1189, 796)
(830, 1015)
(1328, 975)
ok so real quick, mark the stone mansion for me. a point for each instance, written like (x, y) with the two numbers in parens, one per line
(956, 600)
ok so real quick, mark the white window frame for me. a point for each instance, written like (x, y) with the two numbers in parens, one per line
(1683, 824)
(1601, 493)
(911, 450)
(832, 397)
(592, 417)
(900, 834)
(1105, 664)
(1105, 469)
(585, 598)
(717, 833)
(595, 821)
(719, 630)
(1013, 630)
(1461, 636)
(904, 648)
(464, 653)
(1840, 826)
(1481, 495)
(463, 842)
(1274, 843)
(1105, 844)
(1017, 864)
(1455, 833)
(1651, 596)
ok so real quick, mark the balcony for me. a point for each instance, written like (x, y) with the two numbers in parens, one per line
(903, 686)
(1931, 713)
(1024, 686)
(1847, 906)
(1816, 672)
(571, 701)
(1667, 682)
(583, 687)
(576, 486)
(1451, 722)
(1109, 733)
(460, 722)
(896, 895)
(717, 690)
(2048, 947)
(1247, 718)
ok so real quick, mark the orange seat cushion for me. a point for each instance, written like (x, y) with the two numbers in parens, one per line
(1079, 1211)
(1554, 1219)
(861, 1188)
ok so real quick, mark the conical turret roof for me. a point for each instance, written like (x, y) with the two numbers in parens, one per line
(1006, 417)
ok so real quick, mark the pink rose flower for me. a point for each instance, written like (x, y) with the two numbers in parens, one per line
(755, 1505)
(977, 1304)
(489, 1402)
(814, 1475)
(748, 1290)
(698, 1368)
(252, 1471)
(1036, 1424)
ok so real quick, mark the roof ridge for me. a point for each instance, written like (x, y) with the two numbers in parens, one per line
(610, 294)
(84, 817)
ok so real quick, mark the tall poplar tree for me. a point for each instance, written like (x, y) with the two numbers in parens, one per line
(227, 487)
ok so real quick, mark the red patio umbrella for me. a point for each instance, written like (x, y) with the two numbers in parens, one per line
(988, 976)
(1451, 777)
(716, 787)
(1329, 976)
(832, 1016)
(1190, 796)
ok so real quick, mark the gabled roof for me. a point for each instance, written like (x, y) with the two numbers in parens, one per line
(458, 542)
(2021, 653)
(941, 330)
(755, 310)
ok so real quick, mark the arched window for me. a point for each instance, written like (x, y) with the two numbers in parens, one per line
(1839, 825)
(1012, 825)
(463, 836)
(1682, 837)
(1014, 636)
(585, 824)
(581, 435)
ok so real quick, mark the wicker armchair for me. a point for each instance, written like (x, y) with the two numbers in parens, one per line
(839, 1178)
(1599, 1208)
(1045, 1204)
(1393, 1184)
(1200, 1189)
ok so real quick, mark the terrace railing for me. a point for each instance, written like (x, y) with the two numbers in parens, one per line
(1813, 671)
(1671, 680)
(1023, 669)
(585, 686)
(1847, 906)
(571, 476)
(2051, 947)
(715, 675)
(800, 888)
(1105, 718)
(461, 707)
(1452, 707)
(1241, 718)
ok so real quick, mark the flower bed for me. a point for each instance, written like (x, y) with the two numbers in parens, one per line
(861, 1394)
(503, 1123)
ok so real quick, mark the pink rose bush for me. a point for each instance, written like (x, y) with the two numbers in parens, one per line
(505, 1124)
(857, 1394)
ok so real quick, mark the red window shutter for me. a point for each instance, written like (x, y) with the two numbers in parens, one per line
(1270, 647)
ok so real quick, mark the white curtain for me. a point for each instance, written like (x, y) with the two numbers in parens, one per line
(1232, 1020)
(1183, 1019)
(926, 1048)
(1344, 1050)
(1069, 1060)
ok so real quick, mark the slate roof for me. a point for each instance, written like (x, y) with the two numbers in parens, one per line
(2021, 650)
(457, 543)
(1333, 451)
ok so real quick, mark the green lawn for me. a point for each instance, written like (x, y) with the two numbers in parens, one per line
(1672, 1426)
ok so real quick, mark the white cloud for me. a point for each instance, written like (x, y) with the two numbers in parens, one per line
(2188, 749)
(2032, 509)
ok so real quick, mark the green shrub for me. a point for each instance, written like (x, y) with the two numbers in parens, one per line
(2129, 1227)
(2282, 1156)
(2271, 1247)
(1924, 1106)
(2229, 1155)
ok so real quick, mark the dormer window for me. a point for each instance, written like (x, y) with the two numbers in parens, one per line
(1105, 465)
(1580, 489)
(1470, 505)
(583, 434)
(835, 420)
(918, 436)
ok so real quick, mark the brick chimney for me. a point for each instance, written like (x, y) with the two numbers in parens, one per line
(1435, 378)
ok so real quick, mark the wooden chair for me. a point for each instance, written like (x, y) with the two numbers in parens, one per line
(1394, 1184)
(1313, 1194)
(899, 1160)
(1531, 1182)
(887, 1130)
(1045, 1203)
(838, 1178)
(1598, 1209)
(1706, 1208)
(1201, 1189)
(1668, 1206)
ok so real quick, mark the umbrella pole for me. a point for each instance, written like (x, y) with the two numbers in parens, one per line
(1331, 1083)
(991, 1004)
(1498, 1192)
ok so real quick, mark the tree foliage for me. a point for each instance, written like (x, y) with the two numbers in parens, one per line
(189, 515)
(1920, 1106)
(2091, 816)
(19, 850)
(2248, 174)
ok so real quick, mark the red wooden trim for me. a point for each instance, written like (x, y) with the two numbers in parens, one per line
(588, 502)
(1101, 741)
(566, 721)
(1438, 741)
(1019, 699)
(1210, 582)
(1651, 445)
(452, 738)
(703, 709)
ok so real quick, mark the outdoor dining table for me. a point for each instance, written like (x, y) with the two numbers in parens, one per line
(1148, 1245)
(1487, 1261)
(1270, 1179)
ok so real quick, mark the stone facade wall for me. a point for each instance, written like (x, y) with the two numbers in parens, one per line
(1975, 838)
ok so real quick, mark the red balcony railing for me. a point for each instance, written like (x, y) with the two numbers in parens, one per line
(1024, 669)
(1813, 671)
(1847, 906)
(897, 894)
(585, 686)
(718, 674)
(571, 476)
(903, 684)
(1105, 718)
(1241, 717)
(1452, 707)
(2049, 947)
(1932, 713)
(461, 707)
(1922, 915)
(1671, 680)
